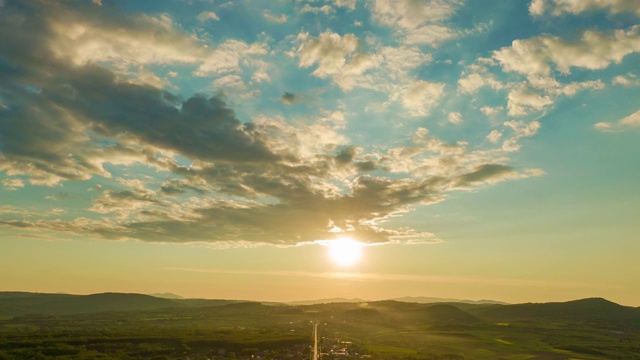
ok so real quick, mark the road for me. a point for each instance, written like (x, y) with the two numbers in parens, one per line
(315, 341)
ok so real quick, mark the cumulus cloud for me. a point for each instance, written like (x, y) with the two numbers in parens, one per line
(559, 7)
(491, 110)
(419, 22)
(494, 136)
(348, 4)
(207, 15)
(455, 117)
(595, 50)
(472, 82)
(630, 121)
(411, 14)
(524, 98)
(421, 96)
(336, 56)
(626, 80)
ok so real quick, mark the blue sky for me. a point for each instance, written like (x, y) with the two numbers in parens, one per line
(501, 136)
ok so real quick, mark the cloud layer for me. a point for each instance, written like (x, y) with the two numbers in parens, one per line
(91, 94)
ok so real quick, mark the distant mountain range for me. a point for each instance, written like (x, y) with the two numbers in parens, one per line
(419, 310)
(411, 299)
(21, 303)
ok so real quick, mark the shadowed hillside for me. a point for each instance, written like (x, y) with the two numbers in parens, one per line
(60, 304)
(585, 310)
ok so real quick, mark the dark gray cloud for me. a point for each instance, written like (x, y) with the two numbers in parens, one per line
(199, 127)
(485, 173)
(289, 98)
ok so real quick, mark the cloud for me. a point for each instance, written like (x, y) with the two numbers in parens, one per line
(325, 9)
(410, 14)
(230, 83)
(541, 58)
(494, 136)
(524, 98)
(630, 121)
(485, 173)
(519, 129)
(421, 96)
(207, 15)
(432, 35)
(231, 56)
(491, 110)
(124, 203)
(419, 22)
(559, 7)
(289, 98)
(336, 56)
(135, 39)
(474, 81)
(70, 116)
(412, 278)
(349, 4)
(455, 118)
(626, 80)
(595, 50)
(274, 19)
(12, 184)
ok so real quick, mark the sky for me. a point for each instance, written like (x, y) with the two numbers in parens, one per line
(465, 149)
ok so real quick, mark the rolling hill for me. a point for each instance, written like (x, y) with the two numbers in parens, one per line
(592, 310)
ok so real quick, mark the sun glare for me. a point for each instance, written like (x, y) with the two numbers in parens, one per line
(344, 251)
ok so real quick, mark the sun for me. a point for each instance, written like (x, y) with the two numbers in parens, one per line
(344, 251)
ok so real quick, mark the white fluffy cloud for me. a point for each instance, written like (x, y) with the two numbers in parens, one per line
(455, 117)
(524, 99)
(474, 81)
(207, 15)
(626, 80)
(540, 59)
(494, 136)
(491, 110)
(421, 96)
(559, 7)
(411, 14)
(420, 22)
(336, 56)
(595, 50)
(349, 4)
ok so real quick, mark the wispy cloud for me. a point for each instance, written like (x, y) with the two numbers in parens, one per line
(628, 122)
(429, 279)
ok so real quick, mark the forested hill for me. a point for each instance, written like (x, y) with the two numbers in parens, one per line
(21, 303)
